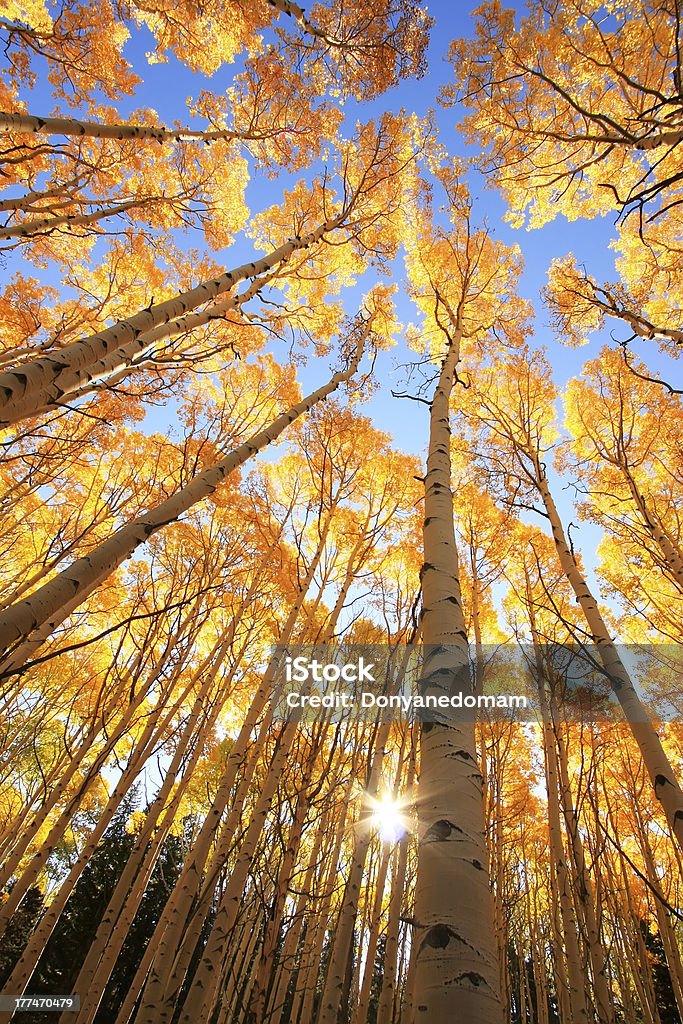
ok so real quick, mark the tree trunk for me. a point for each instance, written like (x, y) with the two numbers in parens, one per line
(30, 124)
(584, 890)
(666, 787)
(387, 999)
(360, 1014)
(44, 225)
(35, 383)
(456, 969)
(19, 622)
(107, 372)
(342, 946)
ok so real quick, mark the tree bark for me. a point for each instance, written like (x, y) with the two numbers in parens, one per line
(19, 621)
(25, 388)
(455, 965)
(666, 786)
(31, 124)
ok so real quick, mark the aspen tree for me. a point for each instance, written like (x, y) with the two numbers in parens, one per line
(666, 932)
(372, 179)
(110, 370)
(265, 971)
(342, 945)
(373, 927)
(625, 432)
(646, 306)
(304, 994)
(549, 626)
(201, 997)
(133, 654)
(585, 894)
(386, 1008)
(19, 622)
(29, 388)
(33, 125)
(520, 412)
(572, 114)
(457, 280)
(560, 862)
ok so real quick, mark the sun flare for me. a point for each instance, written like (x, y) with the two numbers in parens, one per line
(388, 819)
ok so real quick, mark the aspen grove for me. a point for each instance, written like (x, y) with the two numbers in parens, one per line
(348, 328)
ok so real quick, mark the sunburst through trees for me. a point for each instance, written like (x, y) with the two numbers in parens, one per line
(286, 374)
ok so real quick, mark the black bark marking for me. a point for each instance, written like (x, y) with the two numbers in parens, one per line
(473, 977)
(439, 831)
(438, 937)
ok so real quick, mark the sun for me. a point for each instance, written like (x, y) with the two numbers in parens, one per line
(388, 819)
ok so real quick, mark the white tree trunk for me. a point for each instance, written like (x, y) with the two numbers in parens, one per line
(24, 389)
(456, 974)
(21, 620)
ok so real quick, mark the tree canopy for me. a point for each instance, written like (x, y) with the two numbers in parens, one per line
(295, 360)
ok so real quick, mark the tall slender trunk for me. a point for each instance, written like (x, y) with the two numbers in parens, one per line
(200, 1000)
(493, 771)
(563, 882)
(37, 382)
(174, 974)
(21, 656)
(116, 366)
(557, 781)
(666, 932)
(275, 1007)
(242, 952)
(455, 962)
(540, 977)
(398, 860)
(266, 969)
(31, 124)
(332, 1001)
(585, 892)
(21, 620)
(360, 1014)
(387, 999)
(304, 995)
(44, 225)
(172, 927)
(665, 784)
(670, 552)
